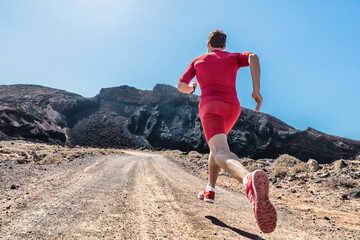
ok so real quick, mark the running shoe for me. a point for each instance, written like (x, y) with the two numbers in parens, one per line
(257, 191)
(207, 196)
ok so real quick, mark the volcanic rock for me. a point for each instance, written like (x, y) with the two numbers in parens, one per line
(162, 118)
(339, 164)
(354, 193)
(314, 166)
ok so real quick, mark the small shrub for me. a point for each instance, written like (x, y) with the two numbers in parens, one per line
(193, 156)
(300, 167)
(205, 157)
(341, 182)
(52, 159)
(279, 172)
(285, 160)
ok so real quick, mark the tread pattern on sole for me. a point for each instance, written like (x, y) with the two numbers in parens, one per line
(265, 213)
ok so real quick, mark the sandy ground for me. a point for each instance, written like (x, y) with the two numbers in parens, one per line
(139, 195)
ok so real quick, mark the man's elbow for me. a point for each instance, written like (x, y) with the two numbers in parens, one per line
(180, 86)
(252, 57)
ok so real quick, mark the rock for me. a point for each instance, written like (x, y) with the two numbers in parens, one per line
(354, 193)
(162, 118)
(273, 179)
(304, 175)
(293, 191)
(313, 164)
(317, 180)
(290, 178)
(339, 164)
(21, 160)
(324, 175)
(344, 197)
(356, 175)
(327, 218)
(13, 186)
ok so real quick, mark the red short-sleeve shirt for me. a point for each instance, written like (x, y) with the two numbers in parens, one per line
(216, 73)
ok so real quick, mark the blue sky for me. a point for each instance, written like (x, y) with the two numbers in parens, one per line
(309, 50)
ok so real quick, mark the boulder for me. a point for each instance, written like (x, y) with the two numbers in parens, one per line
(313, 164)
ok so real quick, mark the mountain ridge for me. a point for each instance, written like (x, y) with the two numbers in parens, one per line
(162, 118)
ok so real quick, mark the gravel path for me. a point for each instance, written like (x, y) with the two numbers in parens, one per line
(132, 196)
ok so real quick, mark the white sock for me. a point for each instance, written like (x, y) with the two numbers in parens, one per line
(245, 180)
(208, 188)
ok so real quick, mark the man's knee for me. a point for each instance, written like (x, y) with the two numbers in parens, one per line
(220, 154)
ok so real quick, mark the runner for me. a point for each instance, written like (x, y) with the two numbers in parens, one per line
(219, 109)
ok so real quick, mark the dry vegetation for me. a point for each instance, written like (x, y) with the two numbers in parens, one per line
(300, 167)
(325, 181)
(279, 172)
(285, 160)
(342, 181)
(24, 152)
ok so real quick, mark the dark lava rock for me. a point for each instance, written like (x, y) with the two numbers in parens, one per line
(354, 193)
(317, 180)
(21, 161)
(344, 197)
(340, 164)
(162, 118)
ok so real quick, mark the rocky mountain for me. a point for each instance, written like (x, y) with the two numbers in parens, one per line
(162, 118)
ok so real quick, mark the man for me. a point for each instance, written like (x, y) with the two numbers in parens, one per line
(219, 109)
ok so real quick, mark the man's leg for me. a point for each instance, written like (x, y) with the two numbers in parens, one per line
(227, 160)
(214, 169)
(257, 182)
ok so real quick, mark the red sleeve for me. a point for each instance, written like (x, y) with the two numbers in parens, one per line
(189, 74)
(243, 59)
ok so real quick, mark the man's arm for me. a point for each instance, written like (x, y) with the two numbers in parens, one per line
(184, 88)
(255, 74)
(184, 85)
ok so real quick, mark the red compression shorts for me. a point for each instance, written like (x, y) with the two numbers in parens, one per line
(218, 117)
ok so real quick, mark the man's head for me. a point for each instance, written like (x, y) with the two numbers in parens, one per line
(217, 39)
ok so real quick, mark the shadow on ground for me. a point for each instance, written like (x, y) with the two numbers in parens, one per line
(219, 223)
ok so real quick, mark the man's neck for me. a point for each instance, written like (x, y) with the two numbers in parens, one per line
(210, 49)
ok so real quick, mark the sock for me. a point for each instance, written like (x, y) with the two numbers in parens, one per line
(245, 181)
(208, 188)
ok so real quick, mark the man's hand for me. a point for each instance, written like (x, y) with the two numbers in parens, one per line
(258, 98)
(184, 88)
(254, 64)
(193, 84)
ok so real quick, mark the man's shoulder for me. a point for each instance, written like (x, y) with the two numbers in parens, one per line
(201, 56)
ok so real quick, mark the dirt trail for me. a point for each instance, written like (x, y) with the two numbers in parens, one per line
(135, 196)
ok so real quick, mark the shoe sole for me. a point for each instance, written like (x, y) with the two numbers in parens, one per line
(202, 198)
(265, 213)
